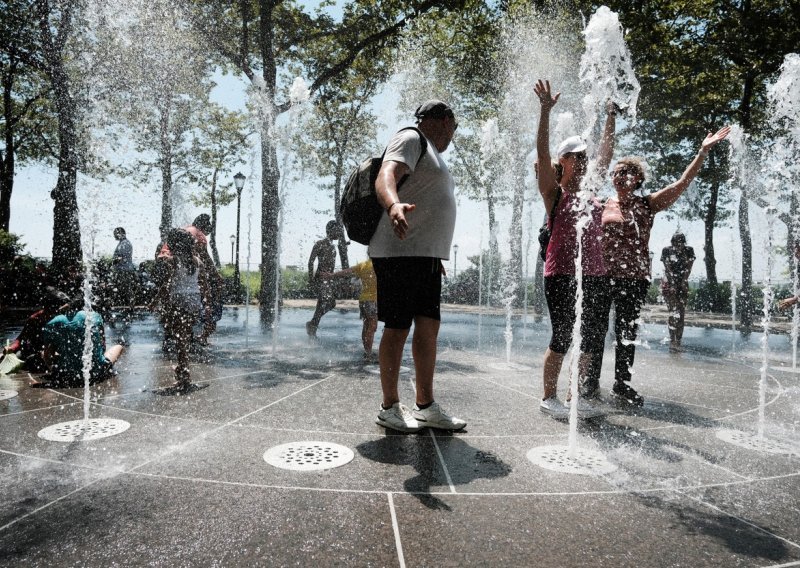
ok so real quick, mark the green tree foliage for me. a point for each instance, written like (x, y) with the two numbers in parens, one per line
(339, 133)
(156, 80)
(701, 64)
(267, 39)
(27, 121)
(220, 144)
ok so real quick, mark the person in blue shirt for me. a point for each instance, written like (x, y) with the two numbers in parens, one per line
(64, 337)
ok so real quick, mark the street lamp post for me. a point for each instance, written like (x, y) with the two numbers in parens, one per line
(238, 181)
(233, 242)
(455, 261)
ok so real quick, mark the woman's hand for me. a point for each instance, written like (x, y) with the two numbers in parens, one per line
(546, 99)
(714, 139)
(787, 302)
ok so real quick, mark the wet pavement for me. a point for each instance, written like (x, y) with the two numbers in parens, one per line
(187, 483)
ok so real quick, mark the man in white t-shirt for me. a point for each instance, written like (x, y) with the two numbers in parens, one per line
(407, 251)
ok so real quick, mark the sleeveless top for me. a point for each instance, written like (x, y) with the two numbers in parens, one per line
(626, 238)
(563, 248)
(185, 288)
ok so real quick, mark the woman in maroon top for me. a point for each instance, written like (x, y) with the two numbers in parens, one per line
(627, 220)
(560, 196)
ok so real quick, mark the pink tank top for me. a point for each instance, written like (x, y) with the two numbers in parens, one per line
(563, 247)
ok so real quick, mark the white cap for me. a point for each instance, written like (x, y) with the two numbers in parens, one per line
(571, 144)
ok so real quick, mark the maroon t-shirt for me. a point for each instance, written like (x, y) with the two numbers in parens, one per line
(626, 237)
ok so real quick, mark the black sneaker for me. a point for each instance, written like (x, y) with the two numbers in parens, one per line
(623, 392)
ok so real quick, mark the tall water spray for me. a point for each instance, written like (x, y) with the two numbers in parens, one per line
(783, 159)
(606, 71)
(606, 67)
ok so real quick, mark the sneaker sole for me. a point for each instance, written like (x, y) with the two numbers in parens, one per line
(553, 414)
(621, 400)
(396, 428)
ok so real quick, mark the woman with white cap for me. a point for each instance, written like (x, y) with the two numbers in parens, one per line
(565, 210)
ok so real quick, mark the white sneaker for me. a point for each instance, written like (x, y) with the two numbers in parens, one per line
(585, 408)
(553, 407)
(435, 417)
(398, 417)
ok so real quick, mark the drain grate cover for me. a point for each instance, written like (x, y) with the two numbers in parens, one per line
(557, 458)
(753, 442)
(6, 394)
(83, 430)
(308, 456)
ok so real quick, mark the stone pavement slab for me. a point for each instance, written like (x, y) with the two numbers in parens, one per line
(187, 484)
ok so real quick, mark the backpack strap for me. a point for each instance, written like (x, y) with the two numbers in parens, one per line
(423, 150)
(552, 216)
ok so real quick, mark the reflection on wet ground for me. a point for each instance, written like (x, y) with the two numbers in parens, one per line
(187, 482)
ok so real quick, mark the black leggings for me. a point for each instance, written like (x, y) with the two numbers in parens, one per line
(627, 295)
(560, 293)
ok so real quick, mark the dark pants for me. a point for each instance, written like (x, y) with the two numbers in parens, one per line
(627, 295)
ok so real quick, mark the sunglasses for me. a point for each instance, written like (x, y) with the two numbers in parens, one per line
(625, 172)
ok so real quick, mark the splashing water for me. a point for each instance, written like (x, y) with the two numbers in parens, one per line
(606, 67)
(765, 322)
(784, 157)
(88, 344)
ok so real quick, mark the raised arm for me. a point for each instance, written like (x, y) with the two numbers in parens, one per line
(546, 174)
(606, 149)
(664, 198)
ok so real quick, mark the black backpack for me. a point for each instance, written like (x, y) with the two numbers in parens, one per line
(545, 232)
(361, 212)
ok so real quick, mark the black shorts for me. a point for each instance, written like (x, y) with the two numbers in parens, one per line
(408, 286)
(560, 293)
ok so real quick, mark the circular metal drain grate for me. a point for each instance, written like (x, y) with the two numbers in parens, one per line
(753, 442)
(83, 430)
(308, 456)
(6, 394)
(557, 458)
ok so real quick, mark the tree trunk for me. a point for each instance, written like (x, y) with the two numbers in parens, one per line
(270, 293)
(213, 237)
(337, 200)
(165, 164)
(746, 316)
(67, 253)
(710, 220)
(7, 160)
(270, 212)
(745, 294)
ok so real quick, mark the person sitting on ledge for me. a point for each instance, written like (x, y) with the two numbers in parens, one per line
(29, 344)
(64, 337)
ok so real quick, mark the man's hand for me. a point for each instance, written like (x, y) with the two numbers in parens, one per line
(397, 213)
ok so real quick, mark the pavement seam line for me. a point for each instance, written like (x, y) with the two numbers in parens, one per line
(396, 529)
(441, 461)
(47, 505)
(222, 426)
(738, 518)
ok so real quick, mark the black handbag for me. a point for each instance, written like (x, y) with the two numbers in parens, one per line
(544, 232)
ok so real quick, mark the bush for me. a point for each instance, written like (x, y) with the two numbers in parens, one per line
(711, 298)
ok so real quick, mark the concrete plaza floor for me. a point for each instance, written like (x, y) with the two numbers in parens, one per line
(187, 483)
